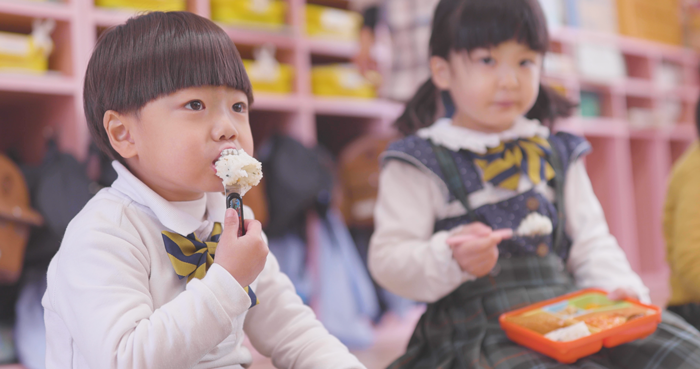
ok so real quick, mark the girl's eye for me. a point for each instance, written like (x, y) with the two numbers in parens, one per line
(239, 107)
(488, 60)
(526, 63)
(195, 105)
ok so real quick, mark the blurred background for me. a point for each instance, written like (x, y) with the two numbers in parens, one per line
(329, 78)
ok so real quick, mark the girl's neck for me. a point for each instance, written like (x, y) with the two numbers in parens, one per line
(461, 119)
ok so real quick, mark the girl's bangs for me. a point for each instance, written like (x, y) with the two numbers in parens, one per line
(489, 23)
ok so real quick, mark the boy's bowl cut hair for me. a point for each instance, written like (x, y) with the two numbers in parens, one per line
(154, 55)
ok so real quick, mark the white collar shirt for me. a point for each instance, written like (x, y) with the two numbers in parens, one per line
(114, 301)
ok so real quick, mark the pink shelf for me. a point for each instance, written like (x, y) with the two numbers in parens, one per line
(627, 168)
(687, 93)
(36, 9)
(356, 107)
(686, 132)
(281, 39)
(640, 88)
(111, 17)
(48, 84)
(597, 127)
(627, 45)
(271, 102)
(340, 49)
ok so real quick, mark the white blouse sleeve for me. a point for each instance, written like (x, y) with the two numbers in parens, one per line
(405, 256)
(596, 259)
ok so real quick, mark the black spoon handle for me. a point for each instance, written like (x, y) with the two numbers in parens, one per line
(235, 201)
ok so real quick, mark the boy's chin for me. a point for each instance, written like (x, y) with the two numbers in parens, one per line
(218, 187)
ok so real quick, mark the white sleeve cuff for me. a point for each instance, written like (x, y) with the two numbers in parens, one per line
(443, 254)
(226, 290)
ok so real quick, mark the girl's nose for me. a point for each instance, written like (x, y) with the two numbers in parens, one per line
(508, 78)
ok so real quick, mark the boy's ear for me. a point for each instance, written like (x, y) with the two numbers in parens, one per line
(440, 69)
(118, 129)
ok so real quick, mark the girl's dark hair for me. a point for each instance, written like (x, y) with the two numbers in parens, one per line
(465, 25)
(154, 55)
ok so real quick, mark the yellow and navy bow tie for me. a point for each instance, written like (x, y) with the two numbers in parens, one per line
(503, 165)
(192, 258)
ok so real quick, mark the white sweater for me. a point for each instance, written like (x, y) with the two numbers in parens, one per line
(407, 258)
(114, 301)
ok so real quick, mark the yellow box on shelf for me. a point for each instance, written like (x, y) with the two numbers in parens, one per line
(278, 79)
(269, 13)
(332, 23)
(162, 5)
(651, 19)
(340, 80)
(24, 53)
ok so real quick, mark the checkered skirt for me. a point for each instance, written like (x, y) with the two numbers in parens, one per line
(462, 331)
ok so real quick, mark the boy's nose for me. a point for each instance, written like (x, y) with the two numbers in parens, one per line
(225, 129)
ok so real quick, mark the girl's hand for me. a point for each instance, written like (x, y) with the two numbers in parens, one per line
(244, 257)
(623, 293)
(474, 247)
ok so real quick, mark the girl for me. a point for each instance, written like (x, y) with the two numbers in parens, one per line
(486, 212)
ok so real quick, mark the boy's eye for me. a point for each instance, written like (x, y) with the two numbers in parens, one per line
(195, 105)
(239, 107)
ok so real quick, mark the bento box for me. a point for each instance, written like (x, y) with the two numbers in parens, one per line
(579, 324)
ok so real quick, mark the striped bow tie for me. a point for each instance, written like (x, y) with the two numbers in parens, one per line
(192, 258)
(503, 165)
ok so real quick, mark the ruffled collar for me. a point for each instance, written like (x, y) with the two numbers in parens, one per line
(456, 138)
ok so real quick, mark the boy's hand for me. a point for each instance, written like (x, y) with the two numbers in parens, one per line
(243, 257)
(622, 293)
(475, 247)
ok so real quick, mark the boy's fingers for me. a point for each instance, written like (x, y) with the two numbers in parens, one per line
(231, 223)
(253, 227)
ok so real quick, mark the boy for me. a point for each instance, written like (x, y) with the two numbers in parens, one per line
(164, 95)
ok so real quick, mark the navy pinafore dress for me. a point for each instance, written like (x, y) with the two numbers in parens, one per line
(461, 330)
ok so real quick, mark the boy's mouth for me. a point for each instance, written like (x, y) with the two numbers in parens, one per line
(213, 162)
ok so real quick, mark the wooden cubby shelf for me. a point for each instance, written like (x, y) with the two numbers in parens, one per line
(628, 168)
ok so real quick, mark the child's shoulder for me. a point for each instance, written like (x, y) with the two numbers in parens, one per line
(687, 167)
(570, 146)
(109, 213)
(107, 205)
(412, 149)
(408, 143)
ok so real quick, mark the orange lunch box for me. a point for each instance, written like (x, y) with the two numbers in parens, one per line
(570, 351)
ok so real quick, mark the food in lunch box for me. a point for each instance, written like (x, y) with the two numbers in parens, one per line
(570, 333)
(556, 322)
(578, 324)
(540, 321)
(599, 321)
